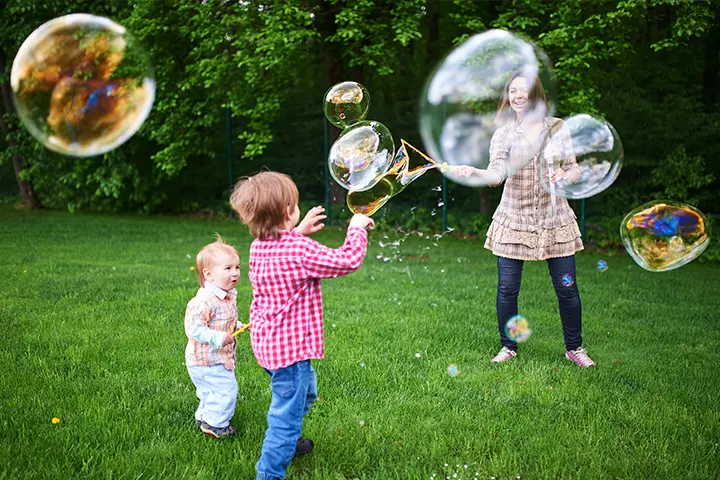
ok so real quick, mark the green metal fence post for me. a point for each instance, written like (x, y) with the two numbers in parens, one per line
(326, 151)
(228, 123)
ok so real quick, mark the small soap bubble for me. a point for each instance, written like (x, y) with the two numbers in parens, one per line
(567, 280)
(346, 103)
(602, 266)
(453, 370)
(517, 329)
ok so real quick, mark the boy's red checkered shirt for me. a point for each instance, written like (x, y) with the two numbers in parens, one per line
(286, 313)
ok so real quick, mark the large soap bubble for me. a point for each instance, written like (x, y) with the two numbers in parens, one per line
(346, 103)
(82, 85)
(459, 105)
(662, 235)
(596, 147)
(361, 155)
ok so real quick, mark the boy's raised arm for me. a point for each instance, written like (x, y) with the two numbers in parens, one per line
(324, 262)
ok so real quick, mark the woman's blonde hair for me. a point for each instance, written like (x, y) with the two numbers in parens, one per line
(262, 201)
(208, 255)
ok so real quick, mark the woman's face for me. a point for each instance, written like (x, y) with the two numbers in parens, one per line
(518, 94)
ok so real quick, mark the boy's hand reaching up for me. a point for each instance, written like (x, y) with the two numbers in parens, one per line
(362, 221)
(309, 224)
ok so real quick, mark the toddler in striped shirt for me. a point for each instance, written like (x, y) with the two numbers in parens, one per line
(210, 319)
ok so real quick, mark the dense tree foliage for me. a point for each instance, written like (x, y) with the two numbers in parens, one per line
(650, 67)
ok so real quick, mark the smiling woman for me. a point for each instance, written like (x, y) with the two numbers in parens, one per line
(531, 223)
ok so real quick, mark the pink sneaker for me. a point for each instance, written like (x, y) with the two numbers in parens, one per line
(579, 357)
(504, 354)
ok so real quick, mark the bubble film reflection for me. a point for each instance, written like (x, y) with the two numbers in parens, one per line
(82, 85)
(361, 155)
(346, 103)
(459, 103)
(597, 150)
(662, 235)
(517, 329)
(404, 170)
(567, 280)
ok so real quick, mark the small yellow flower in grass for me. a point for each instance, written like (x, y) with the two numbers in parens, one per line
(192, 268)
(24, 271)
(55, 420)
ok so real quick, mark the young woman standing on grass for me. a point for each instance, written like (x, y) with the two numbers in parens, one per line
(529, 223)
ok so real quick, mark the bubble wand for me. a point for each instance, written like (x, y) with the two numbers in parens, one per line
(241, 329)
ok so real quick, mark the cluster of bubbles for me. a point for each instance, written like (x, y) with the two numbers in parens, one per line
(365, 149)
(363, 159)
(466, 100)
(517, 328)
(82, 85)
(663, 235)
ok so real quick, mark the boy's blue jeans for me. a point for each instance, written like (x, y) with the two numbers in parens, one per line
(294, 389)
(509, 278)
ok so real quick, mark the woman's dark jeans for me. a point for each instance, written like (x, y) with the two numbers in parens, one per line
(562, 272)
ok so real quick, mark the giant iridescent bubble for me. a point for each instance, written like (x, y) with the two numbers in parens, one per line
(361, 155)
(664, 235)
(346, 103)
(596, 148)
(459, 105)
(82, 85)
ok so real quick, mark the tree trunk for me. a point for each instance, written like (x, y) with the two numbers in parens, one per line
(484, 204)
(27, 191)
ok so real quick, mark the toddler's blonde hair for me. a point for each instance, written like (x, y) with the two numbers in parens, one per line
(207, 256)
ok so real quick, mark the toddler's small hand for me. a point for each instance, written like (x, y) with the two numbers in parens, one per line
(362, 221)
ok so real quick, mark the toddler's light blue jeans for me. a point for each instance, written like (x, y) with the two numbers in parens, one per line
(294, 389)
(217, 390)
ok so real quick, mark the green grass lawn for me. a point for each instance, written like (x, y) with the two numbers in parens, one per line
(92, 319)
